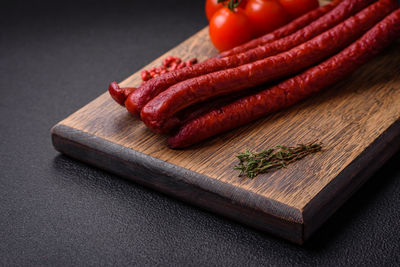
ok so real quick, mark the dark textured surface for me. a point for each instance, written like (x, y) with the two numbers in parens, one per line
(57, 56)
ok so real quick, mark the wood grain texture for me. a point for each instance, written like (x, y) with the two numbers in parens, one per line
(358, 120)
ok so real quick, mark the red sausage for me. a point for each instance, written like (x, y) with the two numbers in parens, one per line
(119, 94)
(292, 90)
(284, 31)
(139, 98)
(157, 112)
(194, 111)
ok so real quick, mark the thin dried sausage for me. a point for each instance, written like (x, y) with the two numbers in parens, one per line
(292, 90)
(157, 112)
(283, 31)
(140, 97)
(119, 94)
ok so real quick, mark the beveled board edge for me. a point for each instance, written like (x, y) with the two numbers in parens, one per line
(340, 189)
(264, 214)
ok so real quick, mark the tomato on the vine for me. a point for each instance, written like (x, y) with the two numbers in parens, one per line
(266, 15)
(296, 8)
(229, 28)
(212, 6)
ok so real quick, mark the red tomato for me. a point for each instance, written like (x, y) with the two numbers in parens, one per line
(296, 8)
(212, 6)
(243, 3)
(229, 28)
(266, 15)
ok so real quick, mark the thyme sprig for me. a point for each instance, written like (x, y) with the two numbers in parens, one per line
(252, 164)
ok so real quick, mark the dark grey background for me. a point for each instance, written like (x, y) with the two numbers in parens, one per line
(56, 56)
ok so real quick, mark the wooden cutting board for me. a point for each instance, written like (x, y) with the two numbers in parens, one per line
(358, 121)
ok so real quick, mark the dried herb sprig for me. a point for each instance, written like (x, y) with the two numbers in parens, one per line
(252, 164)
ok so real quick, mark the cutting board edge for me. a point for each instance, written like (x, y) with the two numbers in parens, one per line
(350, 179)
(139, 167)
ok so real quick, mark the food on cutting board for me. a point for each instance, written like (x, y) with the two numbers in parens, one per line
(234, 22)
(252, 164)
(264, 75)
(156, 114)
(284, 31)
(229, 28)
(169, 64)
(266, 16)
(139, 98)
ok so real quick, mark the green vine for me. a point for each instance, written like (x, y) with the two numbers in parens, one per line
(232, 4)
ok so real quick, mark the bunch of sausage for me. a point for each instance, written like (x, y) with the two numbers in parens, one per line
(264, 75)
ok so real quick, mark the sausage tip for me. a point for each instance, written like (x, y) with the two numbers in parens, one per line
(116, 93)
